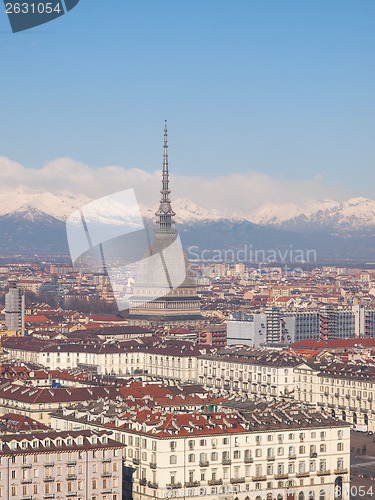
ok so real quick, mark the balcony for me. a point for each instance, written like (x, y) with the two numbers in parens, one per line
(192, 484)
(323, 472)
(136, 461)
(292, 456)
(341, 471)
(203, 463)
(48, 495)
(320, 403)
(226, 461)
(71, 476)
(270, 459)
(50, 464)
(341, 407)
(26, 497)
(106, 474)
(106, 491)
(152, 485)
(258, 478)
(108, 460)
(281, 476)
(303, 474)
(237, 480)
(330, 405)
(352, 408)
(174, 486)
(215, 482)
(26, 466)
(26, 481)
(48, 479)
(248, 460)
(152, 465)
(71, 494)
(71, 463)
(313, 454)
(143, 481)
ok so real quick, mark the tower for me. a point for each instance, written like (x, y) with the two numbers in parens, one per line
(15, 308)
(155, 301)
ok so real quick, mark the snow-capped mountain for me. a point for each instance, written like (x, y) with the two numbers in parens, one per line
(35, 224)
(354, 216)
(57, 206)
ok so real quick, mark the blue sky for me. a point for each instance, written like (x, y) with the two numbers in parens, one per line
(284, 88)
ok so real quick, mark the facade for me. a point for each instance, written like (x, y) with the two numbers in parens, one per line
(282, 451)
(155, 301)
(38, 403)
(15, 308)
(152, 357)
(61, 465)
(248, 371)
(346, 391)
(287, 326)
(250, 331)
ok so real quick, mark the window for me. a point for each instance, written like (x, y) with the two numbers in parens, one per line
(173, 445)
(173, 459)
(59, 487)
(202, 442)
(36, 489)
(340, 446)
(13, 491)
(191, 458)
(94, 484)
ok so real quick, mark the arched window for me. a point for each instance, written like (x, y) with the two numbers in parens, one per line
(354, 418)
(322, 495)
(301, 496)
(311, 495)
(344, 415)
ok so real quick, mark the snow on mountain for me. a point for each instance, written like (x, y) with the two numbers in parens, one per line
(352, 216)
(356, 215)
(188, 212)
(58, 206)
(275, 214)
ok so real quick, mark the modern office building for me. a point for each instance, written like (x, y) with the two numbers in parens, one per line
(15, 308)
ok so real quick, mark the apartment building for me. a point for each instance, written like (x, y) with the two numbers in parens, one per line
(266, 451)
(248, 371)
(61, 465)
(37, 403)
(176, 359)
(346, 390)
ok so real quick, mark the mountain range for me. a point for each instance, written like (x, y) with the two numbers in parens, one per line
(34, 223)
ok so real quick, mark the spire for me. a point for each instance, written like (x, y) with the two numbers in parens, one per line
(165, 190)
(165, 214)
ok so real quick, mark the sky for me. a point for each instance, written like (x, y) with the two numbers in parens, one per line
(271, 97)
